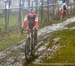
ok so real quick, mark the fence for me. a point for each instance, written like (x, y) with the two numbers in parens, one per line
(10, 19)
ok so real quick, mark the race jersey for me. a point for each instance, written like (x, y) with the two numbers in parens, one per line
(64, 6)
(30, 21)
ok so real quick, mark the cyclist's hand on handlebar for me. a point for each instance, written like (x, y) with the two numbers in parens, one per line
(27, 30)
(35, 28)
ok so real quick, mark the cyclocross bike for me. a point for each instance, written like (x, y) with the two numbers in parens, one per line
(30, 44)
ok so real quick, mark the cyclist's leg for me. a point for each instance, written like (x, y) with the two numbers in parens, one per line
(32, 46)
(34, 42)
(65, 12)
(35, 37)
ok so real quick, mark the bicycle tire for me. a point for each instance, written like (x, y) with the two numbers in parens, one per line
(34, 42)
(27, 49)
(30, 45)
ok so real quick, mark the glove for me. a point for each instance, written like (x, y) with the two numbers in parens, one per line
(27, 30)
(35, 28)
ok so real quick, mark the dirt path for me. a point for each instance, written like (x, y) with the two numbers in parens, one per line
(14, 56)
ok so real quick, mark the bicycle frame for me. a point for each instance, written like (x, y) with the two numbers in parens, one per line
(30, 45)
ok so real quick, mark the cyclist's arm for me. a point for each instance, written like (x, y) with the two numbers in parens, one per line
(36, 25)
(25, 24)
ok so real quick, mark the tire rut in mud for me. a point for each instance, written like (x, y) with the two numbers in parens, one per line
(14, 56)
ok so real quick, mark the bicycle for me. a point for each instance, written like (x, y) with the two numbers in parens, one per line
(30, 44)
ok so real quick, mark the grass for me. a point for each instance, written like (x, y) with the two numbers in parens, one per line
(9, 39)
(13, 21)
(1, 22)
(66, 54)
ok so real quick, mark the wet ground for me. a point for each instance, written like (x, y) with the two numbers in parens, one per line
(14, 56)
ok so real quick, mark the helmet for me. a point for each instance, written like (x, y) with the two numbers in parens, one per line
(30, 10)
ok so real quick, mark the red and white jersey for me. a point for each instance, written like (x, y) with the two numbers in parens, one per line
(29, 18)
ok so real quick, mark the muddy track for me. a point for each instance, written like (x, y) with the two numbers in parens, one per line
(14, 56)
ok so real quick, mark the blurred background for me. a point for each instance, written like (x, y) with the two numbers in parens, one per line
(12, 12)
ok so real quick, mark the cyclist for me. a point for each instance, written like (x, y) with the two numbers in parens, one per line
(63, 9)
(31, 23)
(31, 20)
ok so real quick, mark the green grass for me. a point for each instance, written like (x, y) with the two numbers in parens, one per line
(13, 21)
(1, 22)
(66, 54)
(10, 38)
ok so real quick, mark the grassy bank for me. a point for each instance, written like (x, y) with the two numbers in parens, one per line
(10, 38)
(66, 54)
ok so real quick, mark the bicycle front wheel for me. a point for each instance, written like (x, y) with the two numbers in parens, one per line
(27, 49)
